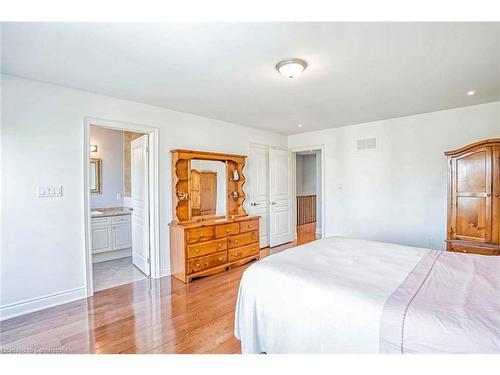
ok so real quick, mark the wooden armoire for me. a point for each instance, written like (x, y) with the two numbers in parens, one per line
(474, 198)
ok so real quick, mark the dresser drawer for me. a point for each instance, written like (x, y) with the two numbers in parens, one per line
(248, 226)
(206, 247)
(226, 230)
(243, 252)
(243, 239)
(204, 263)
(200, 234)
(122, 219)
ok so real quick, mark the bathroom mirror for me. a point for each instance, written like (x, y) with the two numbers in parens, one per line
(207, 188)
(95, 176)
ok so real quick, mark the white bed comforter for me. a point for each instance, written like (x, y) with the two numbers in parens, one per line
(323, 297)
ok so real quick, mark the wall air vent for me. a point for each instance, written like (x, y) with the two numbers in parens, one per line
(366, 144)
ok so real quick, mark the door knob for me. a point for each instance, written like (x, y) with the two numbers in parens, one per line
(488, 195)
(497, 195)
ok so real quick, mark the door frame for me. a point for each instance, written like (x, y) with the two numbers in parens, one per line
(154, 208)
(294, 187)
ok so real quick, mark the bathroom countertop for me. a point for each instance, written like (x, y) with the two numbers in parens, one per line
(109, 211)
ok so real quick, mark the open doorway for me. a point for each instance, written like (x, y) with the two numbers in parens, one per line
(118, 187)
(308, 189)
(121, 205)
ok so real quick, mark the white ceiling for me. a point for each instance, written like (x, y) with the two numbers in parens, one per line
(357, 72)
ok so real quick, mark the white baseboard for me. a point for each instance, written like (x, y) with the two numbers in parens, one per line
(165, 272)
(41, 303)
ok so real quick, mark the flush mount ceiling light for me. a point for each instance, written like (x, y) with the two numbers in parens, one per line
(299, 125)
(291, 68)
(470, 93)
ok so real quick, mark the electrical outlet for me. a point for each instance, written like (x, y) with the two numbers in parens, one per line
(50, 191)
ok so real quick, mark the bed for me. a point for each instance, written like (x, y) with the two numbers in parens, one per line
(339, 295)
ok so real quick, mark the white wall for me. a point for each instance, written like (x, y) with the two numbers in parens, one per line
(306, 174)
(42, 254)
(398, 192)
(110, 150)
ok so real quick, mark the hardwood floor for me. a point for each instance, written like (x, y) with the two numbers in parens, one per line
(147, 316)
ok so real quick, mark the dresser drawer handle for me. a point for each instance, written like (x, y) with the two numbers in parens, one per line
(197, 265)
(206, 264)
(227, 230)
(201, 234)
(197, 250)
(250, 225)
(253, 237)
(220, 259)
(220, 244)
(235, 241)
(236, 254)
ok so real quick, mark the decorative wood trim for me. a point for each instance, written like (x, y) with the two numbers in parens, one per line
(192, 154)
(486, 142)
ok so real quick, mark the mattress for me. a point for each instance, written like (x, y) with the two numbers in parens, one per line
(340, 295)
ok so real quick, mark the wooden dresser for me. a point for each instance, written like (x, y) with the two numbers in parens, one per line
(201, 249)
(202, 241)
(474, 198)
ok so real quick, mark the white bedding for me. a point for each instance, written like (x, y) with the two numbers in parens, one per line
(323, 297)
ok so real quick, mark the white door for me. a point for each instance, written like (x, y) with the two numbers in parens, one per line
(258, 189)
(280, 195)
(139, 178)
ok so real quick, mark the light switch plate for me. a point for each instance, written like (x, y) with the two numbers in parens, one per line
(50, 191)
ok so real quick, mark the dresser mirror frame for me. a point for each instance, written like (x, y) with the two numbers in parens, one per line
(181, 185)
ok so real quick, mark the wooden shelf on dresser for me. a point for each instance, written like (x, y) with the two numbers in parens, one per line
(207, 247)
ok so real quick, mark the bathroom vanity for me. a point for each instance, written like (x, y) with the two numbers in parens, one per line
(111, 233)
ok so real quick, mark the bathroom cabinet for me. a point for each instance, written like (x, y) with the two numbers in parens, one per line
(111, 237)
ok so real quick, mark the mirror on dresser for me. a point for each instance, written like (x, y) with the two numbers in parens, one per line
(210, 231)
(207, 188)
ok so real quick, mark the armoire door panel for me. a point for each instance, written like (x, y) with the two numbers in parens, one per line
(472, 173)
(471, 218)
(471, 195)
